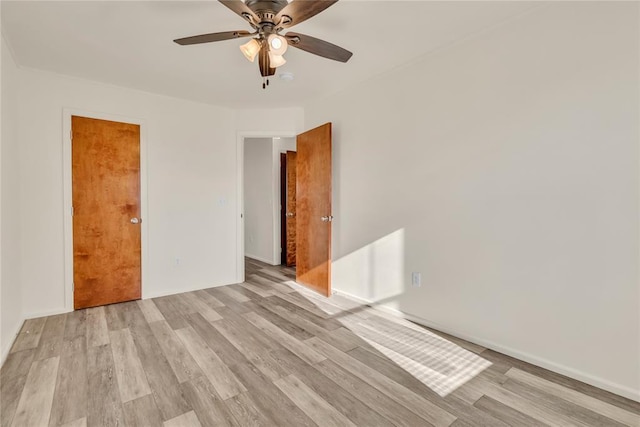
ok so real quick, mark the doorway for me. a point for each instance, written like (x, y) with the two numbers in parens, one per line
(264, 187)
(106, 211)
(313, 215)
(66, 137)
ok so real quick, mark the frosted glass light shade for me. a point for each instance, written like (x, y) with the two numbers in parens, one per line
(277, 44)
(276, 61)
(250, 49)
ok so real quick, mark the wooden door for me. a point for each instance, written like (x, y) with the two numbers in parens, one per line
(283, 208)
(106, 211)
(313, 209)
(291, 208)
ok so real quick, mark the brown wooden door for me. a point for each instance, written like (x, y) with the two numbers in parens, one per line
(106, 211)
(313, 209)
(283, 208)
(291, 208)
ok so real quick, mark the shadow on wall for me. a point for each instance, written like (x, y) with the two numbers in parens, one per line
(375, 270)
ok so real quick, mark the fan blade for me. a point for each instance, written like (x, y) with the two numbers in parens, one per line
(318, 47)
(301, 10)
(265, 63)
(241, 9)
(213, 37)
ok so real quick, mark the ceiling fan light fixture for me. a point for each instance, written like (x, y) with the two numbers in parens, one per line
(250, 49)
(277, 44)
(276, 61)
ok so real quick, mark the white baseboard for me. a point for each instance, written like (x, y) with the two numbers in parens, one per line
(53, 312)
(180, 291)
(612, 387)
(259, 258)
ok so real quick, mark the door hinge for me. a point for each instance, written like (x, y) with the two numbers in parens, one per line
(73, 287)
(71, 134)
(72, 211)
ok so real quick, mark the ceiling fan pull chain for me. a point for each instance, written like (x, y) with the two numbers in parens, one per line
(264, 86)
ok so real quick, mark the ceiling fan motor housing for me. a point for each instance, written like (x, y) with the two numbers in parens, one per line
(266, 9)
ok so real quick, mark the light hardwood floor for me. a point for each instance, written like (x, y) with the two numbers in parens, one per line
(269, 353)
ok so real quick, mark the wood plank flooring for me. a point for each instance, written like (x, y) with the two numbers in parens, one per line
(270, 353)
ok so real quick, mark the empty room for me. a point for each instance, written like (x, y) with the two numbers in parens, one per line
(319, 213)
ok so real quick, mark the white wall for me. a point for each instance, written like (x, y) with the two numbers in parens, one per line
(191, 187)
(505, 170)
(264, 122)
(258, 199)
(10, 291)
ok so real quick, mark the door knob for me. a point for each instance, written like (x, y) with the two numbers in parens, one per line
(135, 220)
(290, 214)
(327, 218)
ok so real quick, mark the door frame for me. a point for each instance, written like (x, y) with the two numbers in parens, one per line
(68, 188)
(240, 137)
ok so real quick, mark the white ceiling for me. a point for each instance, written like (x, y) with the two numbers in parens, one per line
(129, 43)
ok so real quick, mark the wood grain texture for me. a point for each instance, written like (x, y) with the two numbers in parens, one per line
(418, 404)
(209, 299)
(54, 326)
(70, 398)
(311, 404)
(300, 349)
(178, 357)
(201, 307)
(313, 201)
(80, 422)
(104, 406)
(163, 382)
(106, 195)
(13, 377)
(268, 398)
(343, 401)
(150, 311)
(142, 412)
(288, 357)
(291, 208)
(132, 380)
(51, 340)
(389, 408)
(34, 407)
(223, 380)
(251, 348)
(189, 419)
(97, 331)
(505, 413)
(29, 335)
(170, 313)
(247, 413)
(204, 400)
(216, 342)
(588, 402)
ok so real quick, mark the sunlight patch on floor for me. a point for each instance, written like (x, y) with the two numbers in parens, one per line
(438, 363)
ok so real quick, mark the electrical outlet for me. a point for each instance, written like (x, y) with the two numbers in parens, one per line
(416, 279)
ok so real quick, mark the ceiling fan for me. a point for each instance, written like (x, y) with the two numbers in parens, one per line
(268, 18)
